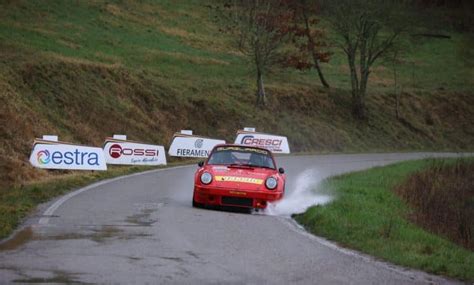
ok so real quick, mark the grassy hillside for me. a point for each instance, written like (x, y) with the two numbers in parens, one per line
(87, 69)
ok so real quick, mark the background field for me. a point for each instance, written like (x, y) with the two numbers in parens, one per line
(85, 70)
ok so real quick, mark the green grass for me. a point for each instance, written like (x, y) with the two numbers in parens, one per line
(179, 40)
(17, 203)
(163, 37)
(366, 215)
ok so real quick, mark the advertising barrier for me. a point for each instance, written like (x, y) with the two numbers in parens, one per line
(60, 155)
(133, 153)
(276, 144)
(192, 146)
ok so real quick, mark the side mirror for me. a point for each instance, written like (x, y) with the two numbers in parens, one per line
(281, 170)
(200, 163)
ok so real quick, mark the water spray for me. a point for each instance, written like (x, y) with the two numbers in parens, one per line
(303, 195)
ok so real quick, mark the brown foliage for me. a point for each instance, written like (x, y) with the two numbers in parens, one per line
(308, 39)
(443, 200)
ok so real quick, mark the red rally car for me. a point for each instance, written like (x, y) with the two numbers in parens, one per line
(238, 176)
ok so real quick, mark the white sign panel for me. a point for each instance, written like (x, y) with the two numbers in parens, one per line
(133, 153)
(52, 138)
(192, 146)
(276, 144)
(120, 137)
(51, 155)
(187, 132)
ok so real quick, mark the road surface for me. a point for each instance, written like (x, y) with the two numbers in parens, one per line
(142, 229)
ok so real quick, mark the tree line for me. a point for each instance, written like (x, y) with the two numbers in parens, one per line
(288, 33)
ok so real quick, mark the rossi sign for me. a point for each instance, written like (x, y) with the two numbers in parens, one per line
(276, 144)
(192, 146)
(133, 153)
(56, 155)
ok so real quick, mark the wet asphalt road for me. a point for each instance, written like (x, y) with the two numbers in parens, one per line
(142, 229)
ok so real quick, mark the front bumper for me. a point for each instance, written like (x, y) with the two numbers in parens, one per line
(234, 197)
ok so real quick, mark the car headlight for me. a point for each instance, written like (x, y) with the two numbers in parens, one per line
(271, 183)
(206, 178)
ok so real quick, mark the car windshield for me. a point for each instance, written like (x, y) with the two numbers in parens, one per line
(234, 155)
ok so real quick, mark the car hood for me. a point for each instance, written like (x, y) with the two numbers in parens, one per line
(240, 178)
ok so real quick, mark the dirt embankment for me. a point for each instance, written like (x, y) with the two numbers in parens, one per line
(84, 102)
(442, 198)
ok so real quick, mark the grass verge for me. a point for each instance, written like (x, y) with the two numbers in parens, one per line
(368, 216)
(18, 202)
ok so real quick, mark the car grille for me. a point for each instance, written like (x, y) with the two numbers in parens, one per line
(237, 201)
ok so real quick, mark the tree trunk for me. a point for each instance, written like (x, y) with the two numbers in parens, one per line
(313, 51)
(354, 78)
(358, 98)
(358, 106)
(261, 96)
(395, 85)
(360, 110)
(397, 106)
(320, 72)
(364, 77)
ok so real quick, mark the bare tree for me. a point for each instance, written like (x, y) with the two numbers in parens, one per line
(259, 29)
(366, 29)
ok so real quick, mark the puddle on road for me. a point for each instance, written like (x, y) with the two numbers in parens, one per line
(144, 217)
(59, 277)
(21, 238)
(173, 258)
(97, 235)
(141, 219)
(100, 235)
(105, 233)
(134, 258)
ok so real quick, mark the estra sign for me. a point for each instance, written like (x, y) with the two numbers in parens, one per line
(133, 153)
(192, 146)
(57, 155)
(276, 144)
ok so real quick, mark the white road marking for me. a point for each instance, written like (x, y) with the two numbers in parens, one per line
(51, 209)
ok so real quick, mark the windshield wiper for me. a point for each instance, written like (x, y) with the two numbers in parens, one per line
(264, 166)
(236, 165)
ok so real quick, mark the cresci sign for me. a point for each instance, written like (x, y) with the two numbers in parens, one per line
(276, 144)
